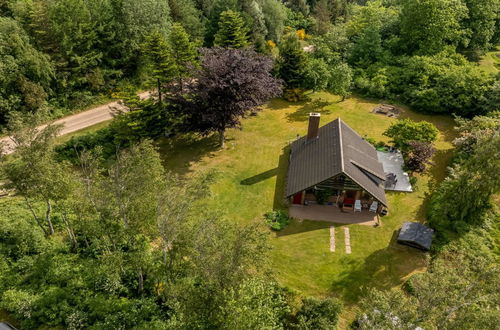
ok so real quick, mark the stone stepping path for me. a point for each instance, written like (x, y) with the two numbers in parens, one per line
(332, 239)
(347, 239)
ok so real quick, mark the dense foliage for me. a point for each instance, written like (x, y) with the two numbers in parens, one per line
(112, 241)
(62, 54)
(459, 290)
(120, 243)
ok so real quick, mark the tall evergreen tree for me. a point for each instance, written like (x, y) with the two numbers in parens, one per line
(232, 31)
(183, 53)
(157, 52)
(292, 62)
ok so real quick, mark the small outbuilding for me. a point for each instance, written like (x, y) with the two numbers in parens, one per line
(416, 235)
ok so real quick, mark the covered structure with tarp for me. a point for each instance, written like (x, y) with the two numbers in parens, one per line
(416, 235)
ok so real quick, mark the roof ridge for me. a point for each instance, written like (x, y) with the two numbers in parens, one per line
(378, 175)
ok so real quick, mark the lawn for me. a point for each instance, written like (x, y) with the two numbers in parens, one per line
(250, 182)
(490, 62)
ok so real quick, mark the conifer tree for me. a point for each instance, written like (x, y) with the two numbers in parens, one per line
(292, 62)
(183, 53)
(156, 50)
(232, 31)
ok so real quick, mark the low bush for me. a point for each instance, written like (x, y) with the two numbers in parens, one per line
(277, 220)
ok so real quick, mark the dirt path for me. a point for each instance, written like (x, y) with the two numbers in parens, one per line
(78, 121)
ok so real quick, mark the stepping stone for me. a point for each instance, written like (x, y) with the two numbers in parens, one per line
(347, 239)
(332, 239)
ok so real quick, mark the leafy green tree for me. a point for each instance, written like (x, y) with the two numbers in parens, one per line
(142, 17)
(341, 80)
(466, 193)
(405, 130)
(445, 82)
(186, 13)
(232, 31)
(333, 77)
(26, 74)
(300, 6)
(427, 26)
(255, 304)
(481, 23)
(33, 173)
(274, 16)
(292, 62)
(156, 50)
(367, 48)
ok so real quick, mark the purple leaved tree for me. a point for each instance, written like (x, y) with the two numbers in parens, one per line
(229, 84)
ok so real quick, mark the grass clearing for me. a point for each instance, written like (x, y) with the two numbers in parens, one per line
(490, 62)
(250, 182)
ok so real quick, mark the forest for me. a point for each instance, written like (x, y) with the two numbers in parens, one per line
(101, 236)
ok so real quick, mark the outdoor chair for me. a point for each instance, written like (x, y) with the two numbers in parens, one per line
(357, 206)
(374, 207)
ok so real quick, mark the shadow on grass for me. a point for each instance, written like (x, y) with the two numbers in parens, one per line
(279, 171)
(436, 173)
(179, 152)
(316, 105)
(383, 269)
(302, 226)
(259, 177)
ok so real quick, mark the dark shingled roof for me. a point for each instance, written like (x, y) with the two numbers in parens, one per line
(338, 149)
(416, 235)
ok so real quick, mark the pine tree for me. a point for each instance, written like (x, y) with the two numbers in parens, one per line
(156, 50)
(292, 62)
(183, 53)
(232, 31)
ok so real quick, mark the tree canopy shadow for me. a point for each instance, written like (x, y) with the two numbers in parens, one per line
(316, 105)
(179, 152)
(383, 269)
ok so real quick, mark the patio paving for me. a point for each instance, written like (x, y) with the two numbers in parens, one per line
(331, 213)
(393, 163)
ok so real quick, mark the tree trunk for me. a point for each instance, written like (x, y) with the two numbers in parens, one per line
(71, 233)
(35, 216)
(48, 217)
(343, 98)
(222, 139)
(141, 283)
(159, 90)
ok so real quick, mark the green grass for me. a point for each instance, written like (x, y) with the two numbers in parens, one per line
(250, 182)
(490, 62)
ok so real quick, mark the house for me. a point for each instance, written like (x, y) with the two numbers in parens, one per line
(333, 166)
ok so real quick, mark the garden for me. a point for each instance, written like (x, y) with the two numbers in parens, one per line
(250, 177)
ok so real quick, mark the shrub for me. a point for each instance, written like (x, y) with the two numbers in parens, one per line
(406, 130)
(318, 313)
(419, 155)
(277, 220)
